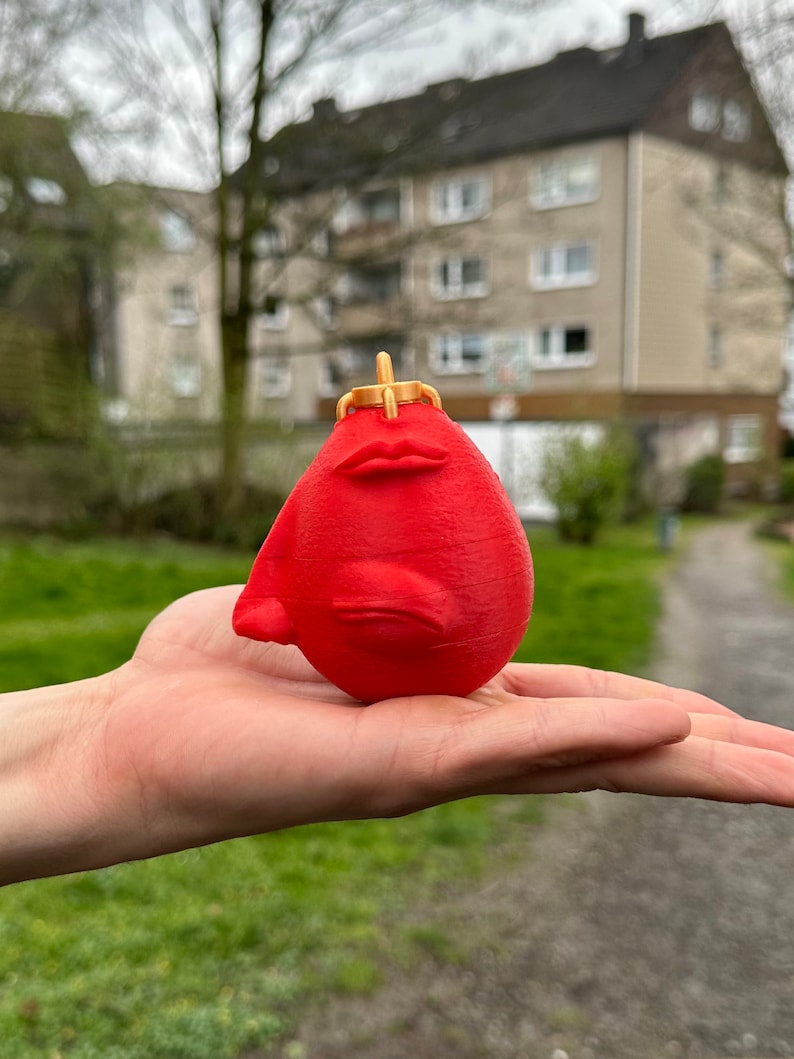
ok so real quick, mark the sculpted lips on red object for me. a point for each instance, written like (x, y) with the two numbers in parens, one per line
(406, 454)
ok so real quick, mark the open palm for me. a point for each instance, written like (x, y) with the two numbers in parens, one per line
(212, 736)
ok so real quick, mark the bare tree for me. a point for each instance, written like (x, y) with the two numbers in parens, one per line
(211, 80)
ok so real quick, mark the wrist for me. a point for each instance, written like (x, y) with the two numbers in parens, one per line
(52, 819)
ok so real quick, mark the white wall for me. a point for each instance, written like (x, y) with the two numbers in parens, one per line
(515, 451)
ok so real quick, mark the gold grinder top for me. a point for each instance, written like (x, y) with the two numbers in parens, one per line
(386, 393)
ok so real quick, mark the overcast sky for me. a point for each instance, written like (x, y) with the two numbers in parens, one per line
(479, 44)
(474, 43)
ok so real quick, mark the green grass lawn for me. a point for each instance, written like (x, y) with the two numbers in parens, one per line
(205, 954)
(784, 554)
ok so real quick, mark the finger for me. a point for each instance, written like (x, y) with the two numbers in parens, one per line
(695, 768)
(565, 680)
(735, 729)
(451, 748)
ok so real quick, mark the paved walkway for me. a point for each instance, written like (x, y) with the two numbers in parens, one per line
(640, 928)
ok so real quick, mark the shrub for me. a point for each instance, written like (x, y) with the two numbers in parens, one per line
(704, 484)
(193, 513)
(786, 482)
(588, 481)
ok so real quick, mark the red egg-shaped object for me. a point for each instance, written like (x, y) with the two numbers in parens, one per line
(398, 564)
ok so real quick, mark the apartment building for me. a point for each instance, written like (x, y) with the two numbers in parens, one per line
(165, 330)
(602, 236)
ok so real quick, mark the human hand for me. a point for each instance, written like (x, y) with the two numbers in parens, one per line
(204, 736)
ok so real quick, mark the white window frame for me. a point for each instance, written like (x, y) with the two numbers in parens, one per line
(182, 311)
(705, 110)
(321, 242)
(551, 186)
(559, 358)
(173, 239)
(324, 306)
(453, 363)
(448, 203)
(184, 375)
(456, 286)
(744, 438)
(736, 120)
(558, 276)
(279, 383)
(269, 242)
(278, 319)
(715, 353)
(351, 215)
(717, 269)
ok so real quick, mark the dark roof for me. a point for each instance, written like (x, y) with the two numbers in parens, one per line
(37, 145)
(579, 95)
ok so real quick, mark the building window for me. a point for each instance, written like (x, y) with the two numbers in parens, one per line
(709, 112)
(321, 242)
(717, 270)
(460, 200)
(719, 187)
(274, 314)
(370, 209)
(325, 311)
(714, 352)
(563, 265)
(357, 357)
(182, 307)
(565, 182)
(459, 354)
(378, 283)
(176, 232)
(743, 438)
(184, 371)
(704, 111)
(564, 346)
(735, 121)
(275, 376)
(461, 277)
(269, 242)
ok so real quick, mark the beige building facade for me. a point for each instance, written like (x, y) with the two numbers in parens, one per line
(166, 311)
(621, 256)
(602, 237)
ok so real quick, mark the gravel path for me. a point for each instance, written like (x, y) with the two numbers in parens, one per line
(638, 928)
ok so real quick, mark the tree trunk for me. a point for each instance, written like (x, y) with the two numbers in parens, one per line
(235, 362)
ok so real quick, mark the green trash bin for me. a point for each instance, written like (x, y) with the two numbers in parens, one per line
(667, 528)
